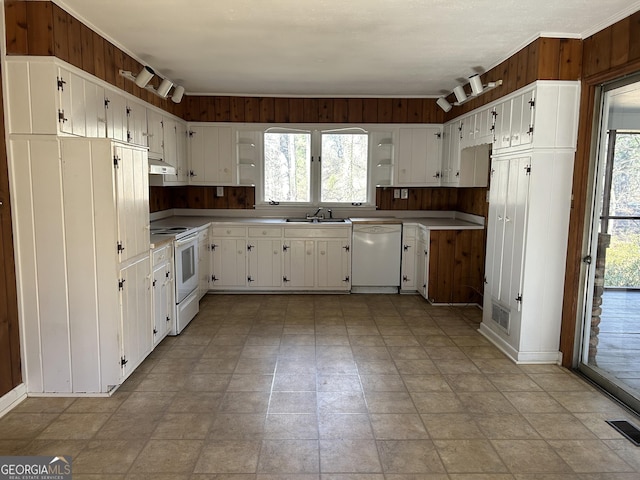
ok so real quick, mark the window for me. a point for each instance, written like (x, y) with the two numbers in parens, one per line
(316, 167)
(344, 168)
(287, 167)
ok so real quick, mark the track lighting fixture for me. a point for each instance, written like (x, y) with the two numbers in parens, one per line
(163, 89)
(444, 104)
(144, 77)
(178, 92)
(460, 94)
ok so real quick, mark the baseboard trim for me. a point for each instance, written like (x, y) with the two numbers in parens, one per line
(12, 398)
(521, 358)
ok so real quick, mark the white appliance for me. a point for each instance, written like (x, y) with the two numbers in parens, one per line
(376, 258)
(186, 274)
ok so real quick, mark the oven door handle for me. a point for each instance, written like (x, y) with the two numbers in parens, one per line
(187, 239)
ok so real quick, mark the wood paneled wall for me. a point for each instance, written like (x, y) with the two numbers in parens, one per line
(164, 198)
(10, 363)
(43, 28)
(608, 55)
(312, 110)
(543, 59)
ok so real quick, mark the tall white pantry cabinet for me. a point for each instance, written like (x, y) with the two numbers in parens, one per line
(81, 228)
(527, 228)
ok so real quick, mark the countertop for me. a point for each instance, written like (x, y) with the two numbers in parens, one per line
(431, 223)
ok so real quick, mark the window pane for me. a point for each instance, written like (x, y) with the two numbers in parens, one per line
(287, 167)
(344, 167)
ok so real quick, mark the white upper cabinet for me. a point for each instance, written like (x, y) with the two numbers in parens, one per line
(249, 156)
(418, 156)
(136, 122)
(154, 134)
(382, 154)
(451, 137)
(116, 107)
(95, 111)
(210, 155)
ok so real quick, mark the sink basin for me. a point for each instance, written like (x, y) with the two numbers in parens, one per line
(316, 220)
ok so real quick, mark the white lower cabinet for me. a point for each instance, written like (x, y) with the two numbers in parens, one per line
(204, 261)
(137, 326)
(299, 264)
(408, 267)
(422, 263)
(78, 324)
(228, 257)
(162, 283)
(264, 251)
(334, 260)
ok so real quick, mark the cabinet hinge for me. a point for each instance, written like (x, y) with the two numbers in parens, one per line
(153, 284)
(106, 103)
(406, 247)
(128, 112)
(191, 133)
(213, 247)
(121, 284)
(346, 248)
(61, 83)
(527, 169)
(167, 274)
(405, 278)
(439, 134)
(214, 278)
(123, 361)
(519, 298)
(168, 318)
(530, 131)
(129, 137)
(532, 103)
(285, 248)
(120, 247)
(116, 161)
(250, 247)
(285, 279)
(249, 279)
(346, 279)
(587, 259)
(155, 331)
(61, 117)
(494, 114)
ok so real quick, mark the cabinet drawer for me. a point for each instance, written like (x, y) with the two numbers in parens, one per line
(317, 232)
(229, 231)
(265, 232)
(162, 254)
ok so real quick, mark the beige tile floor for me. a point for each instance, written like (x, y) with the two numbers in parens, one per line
(332, 387)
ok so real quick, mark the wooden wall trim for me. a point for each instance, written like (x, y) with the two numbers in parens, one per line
(607, 55)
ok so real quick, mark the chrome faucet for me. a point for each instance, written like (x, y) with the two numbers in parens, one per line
(317, 212)
(315, 216)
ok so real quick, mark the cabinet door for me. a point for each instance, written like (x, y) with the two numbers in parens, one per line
(422, 266)
(299, 259)
(72, 105)
(160, 291)
(136, 123)
(408, 264)
(468, 131)
(265, 262)
(412, 156)
(528, 107)
(495, 227)
(132, 200)
(154, 133)
(203, 262)
(135, 301)
(210, 155)
(170, 142)
(484, 122)
(334, 261)
(514, 230)
(516, 120)
(228, 263)
(248, 152)
(96, 117)
(504, 125)
(116, 107)
(182, 163)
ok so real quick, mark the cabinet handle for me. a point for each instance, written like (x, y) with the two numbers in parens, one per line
(499, 218)
(437, 175)
(346, 279)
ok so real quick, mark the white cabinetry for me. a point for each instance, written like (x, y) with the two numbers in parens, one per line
(136, 122)
(334, 264)
(154, 134)
(529, 206)
(264, 247)
(210, 155)
(408, 267)
(85, 329)
(116, 106)
(474, 166)
(382, 154)
(204, 262)
(422, 262)
(162, 282)
(418, 162)
(228, 257)
(249, 156)
(451, 137)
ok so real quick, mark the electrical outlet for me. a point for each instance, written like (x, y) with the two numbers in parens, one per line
(404, 193)
(219, 191)
(396, 193)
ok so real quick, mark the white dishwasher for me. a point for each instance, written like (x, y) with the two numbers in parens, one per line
(376, 260)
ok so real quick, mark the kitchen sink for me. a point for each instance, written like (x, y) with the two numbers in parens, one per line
(316, 220)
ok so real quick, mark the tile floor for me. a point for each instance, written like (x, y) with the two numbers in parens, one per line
(332, 387)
